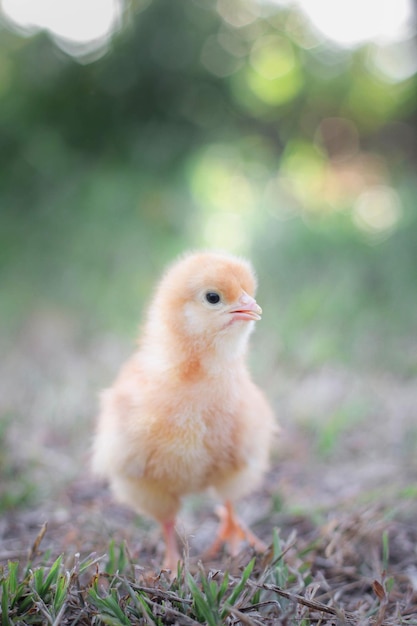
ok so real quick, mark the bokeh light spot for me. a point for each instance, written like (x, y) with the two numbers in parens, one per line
(304, 167)
(377, 210)
(394, 62)
(218, 181)
(237, 13)
(272, 56)
(226, 231)
(274, 92)
(339, 137)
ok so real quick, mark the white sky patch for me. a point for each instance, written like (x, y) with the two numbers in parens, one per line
(76, 21)
(352, 22)
(346, 22)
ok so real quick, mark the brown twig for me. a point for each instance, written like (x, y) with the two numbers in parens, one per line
(311, 604)
(35, 546)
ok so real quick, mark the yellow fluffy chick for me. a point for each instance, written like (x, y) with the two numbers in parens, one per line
(183, 414)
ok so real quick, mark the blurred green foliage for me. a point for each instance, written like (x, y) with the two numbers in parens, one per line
(212, 124)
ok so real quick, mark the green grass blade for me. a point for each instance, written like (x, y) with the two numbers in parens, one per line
(61, 591)
(242, 583)
(12, 578)
(223, 587)
(52, 577)
(203, 609)
(144, 607)
(210, 589)
(385, 550)
(111, 566)
(5, 606)
(109, 606)
(37, 579)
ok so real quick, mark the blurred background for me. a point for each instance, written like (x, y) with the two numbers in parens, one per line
(132, 130)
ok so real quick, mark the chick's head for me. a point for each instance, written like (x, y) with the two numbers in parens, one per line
(208, 297)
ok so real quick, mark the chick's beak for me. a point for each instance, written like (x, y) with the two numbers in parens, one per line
(246, 309)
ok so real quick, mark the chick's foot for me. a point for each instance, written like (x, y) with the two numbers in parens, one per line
(232, 533)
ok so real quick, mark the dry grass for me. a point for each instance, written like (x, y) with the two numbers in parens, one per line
(85, 560)
(338, 507)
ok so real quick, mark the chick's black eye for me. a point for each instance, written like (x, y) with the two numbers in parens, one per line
(212, 297)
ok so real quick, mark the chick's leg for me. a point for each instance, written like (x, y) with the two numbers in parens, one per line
(172, 555)
(233, 532)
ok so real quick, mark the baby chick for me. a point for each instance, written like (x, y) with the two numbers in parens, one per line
(183, 414)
